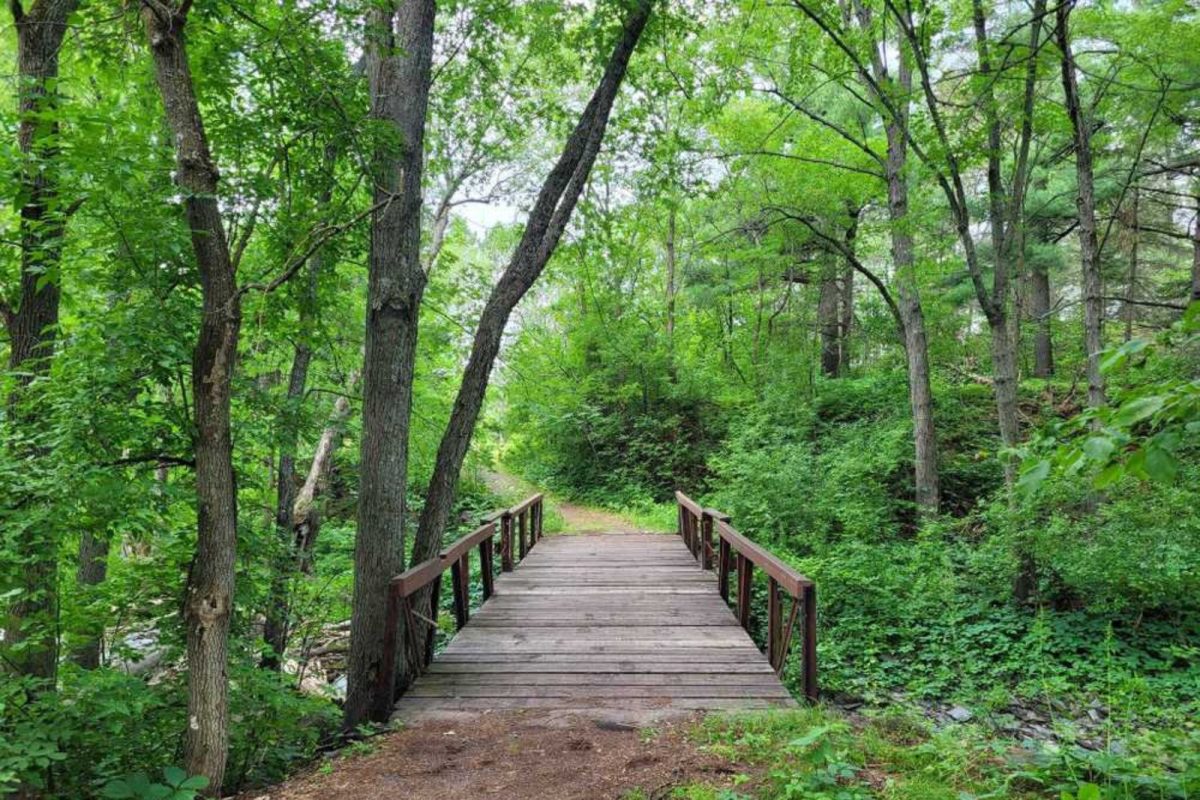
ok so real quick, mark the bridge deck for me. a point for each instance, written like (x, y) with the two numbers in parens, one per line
(600, 621)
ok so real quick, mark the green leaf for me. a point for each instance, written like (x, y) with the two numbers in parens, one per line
(1088, 791)
(174, 776)
(1138, 410)
(1099, 448)
(1161, 464)
(810, 738)
(1109, 475)
(1032, 478)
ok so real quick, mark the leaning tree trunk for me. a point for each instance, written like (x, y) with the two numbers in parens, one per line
(1085, 202)
(398, 64)
(208, 604)
(33, 322)
(543, 229)
(275, 631)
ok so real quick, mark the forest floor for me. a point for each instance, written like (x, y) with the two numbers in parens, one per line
(575, 517)
(515, 756)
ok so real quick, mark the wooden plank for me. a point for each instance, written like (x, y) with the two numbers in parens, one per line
(600, 621)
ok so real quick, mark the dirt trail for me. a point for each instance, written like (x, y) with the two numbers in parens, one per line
(577, 518)
(515, 756)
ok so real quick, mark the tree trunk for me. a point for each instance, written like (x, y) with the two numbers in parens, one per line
(1129, 311)
(846, 299)
(208, 605)
(556, 200)
(671, 273)
(916, 346)
(1196, 253)
(93, 568)
(1085, 201)
(275, 628)
(1039, 310)
(828, 321)
(399, 57)
(33, 322)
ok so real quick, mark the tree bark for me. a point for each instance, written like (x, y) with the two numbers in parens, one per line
(92, 570)
(275, 628)
(551, 212)
(1039, 310)
(399, 52)
(846, 297)
(1196, 253)
(33, 321)
(208, 604)
(828, 321)
(1085, 202)
(671, 273)
(1129, 310)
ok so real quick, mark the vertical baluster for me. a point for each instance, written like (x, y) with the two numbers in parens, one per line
(485, 566)
(521, 530)
(745, 578)
(431, 635)
(774, 626)
(810, 644)
(506, 548)
(723, 568)
(386, 678)
(459, 577)
(706, 531)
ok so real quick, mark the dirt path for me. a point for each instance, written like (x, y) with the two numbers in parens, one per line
(514, 756)
(576, 518)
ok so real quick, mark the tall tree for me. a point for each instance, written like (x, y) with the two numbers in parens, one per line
(547, 220)
(31, 637)
(208, 601)
(399, 56)
(1085, 201)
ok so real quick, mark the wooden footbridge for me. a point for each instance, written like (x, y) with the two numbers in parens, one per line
(614, 621)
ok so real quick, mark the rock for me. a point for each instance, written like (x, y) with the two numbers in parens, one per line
(959, 714)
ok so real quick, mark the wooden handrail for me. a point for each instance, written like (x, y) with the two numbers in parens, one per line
(524, 519)
(716, 544)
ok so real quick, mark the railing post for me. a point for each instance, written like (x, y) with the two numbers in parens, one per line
(435, 590)
(485, 567)
(506, 549)
(745, 575)
(460, 579)
(521, 528)
(774, 626)
(385, 681)
(723, 568)
(811, 690)
(706, 531)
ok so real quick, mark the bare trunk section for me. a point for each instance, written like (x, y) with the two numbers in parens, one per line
(1039, 311)
(306, 522)
(399, 58)
(33, 323)
(1196, 253)
(846, 297)
(671, 273)
(551, 212)
(92, 570)
(275, 628)
(1129, 310)
(208, 605)
(1085, 202)
(828, 321)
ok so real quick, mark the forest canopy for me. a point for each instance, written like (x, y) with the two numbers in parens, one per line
(909, 288)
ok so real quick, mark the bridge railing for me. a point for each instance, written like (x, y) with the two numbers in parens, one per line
(522, 522)
(717, 545)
